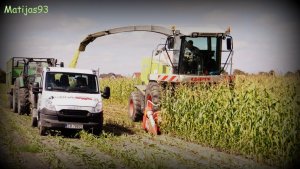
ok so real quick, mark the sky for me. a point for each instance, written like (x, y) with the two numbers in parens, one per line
(264, 32)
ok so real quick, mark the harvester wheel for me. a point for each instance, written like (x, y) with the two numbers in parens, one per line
(134, 106)
(153, 94)
(23, 102)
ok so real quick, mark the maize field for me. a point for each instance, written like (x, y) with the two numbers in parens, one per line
(257, 118)
(120, 89)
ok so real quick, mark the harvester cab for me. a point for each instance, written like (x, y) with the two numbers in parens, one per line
(187, 58)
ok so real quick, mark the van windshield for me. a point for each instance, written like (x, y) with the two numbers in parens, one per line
(71, 82)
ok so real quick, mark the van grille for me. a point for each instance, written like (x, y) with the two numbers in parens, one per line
(81, 116)
(73, 115)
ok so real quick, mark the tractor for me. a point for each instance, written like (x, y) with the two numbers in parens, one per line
(190, 58)
(21, 74)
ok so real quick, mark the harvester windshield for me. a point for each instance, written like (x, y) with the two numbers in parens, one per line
(200, 55)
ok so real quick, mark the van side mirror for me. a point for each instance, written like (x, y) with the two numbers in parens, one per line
(106, 93)
(229, 43)
(36, 88)
(170, 42)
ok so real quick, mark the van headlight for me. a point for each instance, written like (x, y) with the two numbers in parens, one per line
(98, 107)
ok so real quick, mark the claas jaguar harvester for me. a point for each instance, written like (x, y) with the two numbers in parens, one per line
(194, 57)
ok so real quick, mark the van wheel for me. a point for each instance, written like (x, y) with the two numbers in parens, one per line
(42, 130)
(96, 131)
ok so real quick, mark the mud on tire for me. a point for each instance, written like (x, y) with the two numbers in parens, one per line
(135, 106)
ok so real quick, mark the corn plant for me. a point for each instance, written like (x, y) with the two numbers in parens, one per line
(259, 117)
(120, 88)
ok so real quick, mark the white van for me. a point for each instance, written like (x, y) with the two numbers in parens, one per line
(68, 98)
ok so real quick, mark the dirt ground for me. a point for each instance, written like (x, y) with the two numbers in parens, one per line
(123, 144)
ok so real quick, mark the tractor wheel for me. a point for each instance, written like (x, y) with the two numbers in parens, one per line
(153, 94)
(15, 101)
(10, 100)
(23, 101)
(134, 106)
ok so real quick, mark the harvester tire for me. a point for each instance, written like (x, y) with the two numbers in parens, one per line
(15, 101)
(153, 94)
(23, 101)
(134, 106)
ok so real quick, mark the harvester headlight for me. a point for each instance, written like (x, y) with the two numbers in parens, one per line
(98, 107)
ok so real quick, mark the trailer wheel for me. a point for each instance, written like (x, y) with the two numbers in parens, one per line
(23, 102)
(153, 94)
(134, 106)
(15, 101)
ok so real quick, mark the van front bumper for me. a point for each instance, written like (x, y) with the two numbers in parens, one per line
(70, 119)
